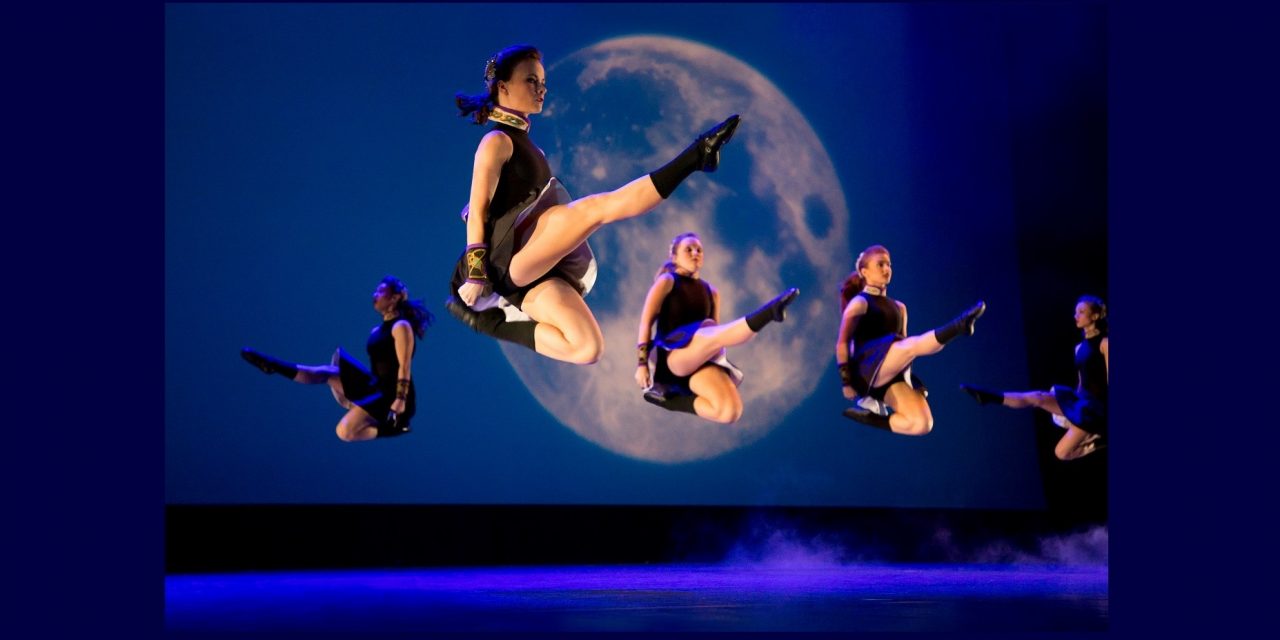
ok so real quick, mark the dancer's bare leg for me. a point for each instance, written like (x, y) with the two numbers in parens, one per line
(902, 353)
(316, 375)
(1074, 444)
(717, 396)
(911, 414)
(1032, 400)
(566, 329)
(560, 229)
(357, 425)
(706, 344)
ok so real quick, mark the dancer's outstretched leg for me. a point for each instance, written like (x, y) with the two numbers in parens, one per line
(1014, 400)
(561, 228)
(268, 364)
(903, 352)
(300, 373)
(710, 339)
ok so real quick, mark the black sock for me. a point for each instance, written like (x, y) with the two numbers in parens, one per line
(682, 403)
(671, 401)
(494, 323)
(519, 332)
(390, 430)
(667, 178)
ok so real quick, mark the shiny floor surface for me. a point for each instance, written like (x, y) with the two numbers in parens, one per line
(647, 598)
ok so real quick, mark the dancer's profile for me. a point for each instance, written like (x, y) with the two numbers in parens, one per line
(380, 400)
(682, 365)
(1081, 411)
(874, 353)
(526, 239)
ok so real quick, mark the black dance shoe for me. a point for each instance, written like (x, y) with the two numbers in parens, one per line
(709, 143)
(983, 396)
(479, 321)
(971, 316)
(656, 396)
(867, 417)
(267, 364)
(778, 306)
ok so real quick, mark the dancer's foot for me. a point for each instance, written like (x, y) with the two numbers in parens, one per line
(961, 326)
(661, 396)
(1092, 443)
(968, 318)
(709, 143)
(479, 321)
(867, 417)
(774, 310)
(269, 365)
(779, 304)
(983, 396)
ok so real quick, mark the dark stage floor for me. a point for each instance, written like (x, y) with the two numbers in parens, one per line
(648, 598)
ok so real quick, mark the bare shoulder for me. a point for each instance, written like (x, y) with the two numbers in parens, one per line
(856, 307)
(495, 143)
(664, 282)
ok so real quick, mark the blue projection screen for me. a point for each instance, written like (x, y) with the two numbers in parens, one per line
(311, 149)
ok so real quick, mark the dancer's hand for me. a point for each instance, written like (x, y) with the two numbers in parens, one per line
(397, 407)
(642, 377)
(470, 292)
(848, 392)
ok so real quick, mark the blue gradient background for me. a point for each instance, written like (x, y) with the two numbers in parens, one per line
(312, 148)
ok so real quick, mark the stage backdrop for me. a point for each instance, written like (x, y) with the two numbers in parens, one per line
(311, 149)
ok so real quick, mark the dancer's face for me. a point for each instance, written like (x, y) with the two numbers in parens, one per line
(688, 257)
(383, 299)
(1085, 316)
(526, 89)
(877, 271)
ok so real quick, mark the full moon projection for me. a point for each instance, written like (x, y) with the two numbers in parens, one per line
(773, 216)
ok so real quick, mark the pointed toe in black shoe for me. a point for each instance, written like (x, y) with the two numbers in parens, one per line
(709, 143)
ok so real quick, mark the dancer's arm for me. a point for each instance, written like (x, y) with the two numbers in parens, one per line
(903, 309)
(1079, 374)
(715, 305)
(1106, 358)
(652, 303)
(402, 333)
(494, 151)
(853, 312)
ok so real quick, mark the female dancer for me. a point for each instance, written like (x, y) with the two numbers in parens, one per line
(379, 403)
(1082, 412)
(526, 241)
(689, 371)
(874, 354)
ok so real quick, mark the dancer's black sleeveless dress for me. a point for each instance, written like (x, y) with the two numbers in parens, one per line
(877, 330)
(375, 390)
(1086, 406)
(688, 305)
(525, 187)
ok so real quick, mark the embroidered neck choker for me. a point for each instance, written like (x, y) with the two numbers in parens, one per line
(509, 119)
